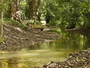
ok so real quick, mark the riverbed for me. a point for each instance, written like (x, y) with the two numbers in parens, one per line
(37, 55)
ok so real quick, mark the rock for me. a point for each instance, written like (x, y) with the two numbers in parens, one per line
(75, 60)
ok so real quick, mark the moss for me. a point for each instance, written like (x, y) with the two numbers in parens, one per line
(56, 30)
(2, 40)
(88, 49)
(20, 24)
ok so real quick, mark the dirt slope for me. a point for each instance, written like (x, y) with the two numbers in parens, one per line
(16, 38)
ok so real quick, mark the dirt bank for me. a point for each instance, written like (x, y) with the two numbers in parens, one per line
(80, 30)
(16, 38)
(76, 60)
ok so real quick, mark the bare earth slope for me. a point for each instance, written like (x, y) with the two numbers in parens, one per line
(16, 38)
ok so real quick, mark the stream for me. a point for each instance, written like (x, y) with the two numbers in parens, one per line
(38, 55)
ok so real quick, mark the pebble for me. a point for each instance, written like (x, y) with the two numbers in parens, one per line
(75, 60)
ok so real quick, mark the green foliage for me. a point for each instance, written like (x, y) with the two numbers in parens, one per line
(20, 24)
(62, 12)
(67, 11)
(2, 40)
(9, 20)
(57, 30)
(24, 8)
(4, 5)
(52, 23)
(88, 49)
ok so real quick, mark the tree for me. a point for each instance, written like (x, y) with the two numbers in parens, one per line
(14, 10)
(85, 7)
(1, 18)
(71, 13)
(46, 10)
(34, 8)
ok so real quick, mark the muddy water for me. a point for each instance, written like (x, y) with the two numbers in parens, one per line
(38, 55)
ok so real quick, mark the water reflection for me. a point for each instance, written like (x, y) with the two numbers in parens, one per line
(1, 64)
(13, 63)
(38, 55)
(9, 63)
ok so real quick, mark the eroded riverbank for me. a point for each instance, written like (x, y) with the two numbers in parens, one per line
(16, 38)
(76, 60)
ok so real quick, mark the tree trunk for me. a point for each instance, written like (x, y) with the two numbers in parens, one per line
(33, 8)
(14, 10)
(1, 20)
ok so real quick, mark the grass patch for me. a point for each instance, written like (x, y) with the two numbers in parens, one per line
(2, 40)
(20, 24)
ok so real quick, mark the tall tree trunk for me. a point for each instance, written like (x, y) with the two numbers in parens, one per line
(33, 8)
(14, 10)
(37, 13)
(1, 19)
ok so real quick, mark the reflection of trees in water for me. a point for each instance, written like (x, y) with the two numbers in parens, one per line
(70, 41)
(1, 64)
(13, 63)
(10, 63)
(87, 44)
(33, 47)
(87, 34)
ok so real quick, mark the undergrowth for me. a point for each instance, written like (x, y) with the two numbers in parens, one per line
(2, 40)
(20, 24)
